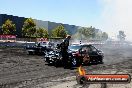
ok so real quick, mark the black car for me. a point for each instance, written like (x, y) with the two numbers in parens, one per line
(78, 55)
(86, 54)
(53, 56)
(39, 49)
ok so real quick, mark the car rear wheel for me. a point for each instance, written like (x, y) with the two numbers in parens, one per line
(100, 61)
(74, 62)
(30, 53)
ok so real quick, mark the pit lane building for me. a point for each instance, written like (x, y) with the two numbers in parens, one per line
(19, 21)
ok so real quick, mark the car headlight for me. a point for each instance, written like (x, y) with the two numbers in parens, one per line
(100, 53)
(57, 54)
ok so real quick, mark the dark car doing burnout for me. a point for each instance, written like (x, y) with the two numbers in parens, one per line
(86, 54)
(78, 55)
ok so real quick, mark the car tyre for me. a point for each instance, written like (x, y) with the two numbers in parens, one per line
(74, 62)
(30, 53)
(56, 64)
(100, 61)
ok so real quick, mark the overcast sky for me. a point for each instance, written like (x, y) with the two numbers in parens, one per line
(107, 15)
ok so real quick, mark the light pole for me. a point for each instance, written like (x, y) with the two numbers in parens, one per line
(80, 35)
(81, 39)
(0, 31)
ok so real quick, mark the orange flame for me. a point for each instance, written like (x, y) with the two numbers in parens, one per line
(81, 71)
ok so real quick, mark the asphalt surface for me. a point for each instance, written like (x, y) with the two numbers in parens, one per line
(19, 70)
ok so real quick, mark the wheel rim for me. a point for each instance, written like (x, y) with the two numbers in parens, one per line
(74, 62)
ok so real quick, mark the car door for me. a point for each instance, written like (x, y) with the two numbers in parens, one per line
(93, 52)
(85, 54)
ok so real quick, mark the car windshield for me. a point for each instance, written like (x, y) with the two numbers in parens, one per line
(74, 47)
(43, 43)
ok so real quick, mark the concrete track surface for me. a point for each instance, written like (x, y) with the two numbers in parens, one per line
(19, 70)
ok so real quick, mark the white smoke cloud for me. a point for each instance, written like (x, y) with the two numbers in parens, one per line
(117, 15)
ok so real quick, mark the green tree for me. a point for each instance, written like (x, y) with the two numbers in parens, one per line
(59, 31)
(92, 31)
(87, 32)
(8, 27)
(98, 35)
(41, 32)
(29, 28)
(104, 36)
(121, 36)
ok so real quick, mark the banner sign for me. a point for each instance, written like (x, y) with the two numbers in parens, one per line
(7, 36)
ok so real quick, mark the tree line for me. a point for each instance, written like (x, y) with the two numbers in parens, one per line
(30, 30)
(88, 33)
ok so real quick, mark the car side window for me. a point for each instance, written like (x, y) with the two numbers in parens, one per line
(86, 49)
(93, 48)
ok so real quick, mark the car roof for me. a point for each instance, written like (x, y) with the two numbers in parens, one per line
(80, 45)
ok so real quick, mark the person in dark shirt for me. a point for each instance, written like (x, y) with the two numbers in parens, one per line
(64, 47)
